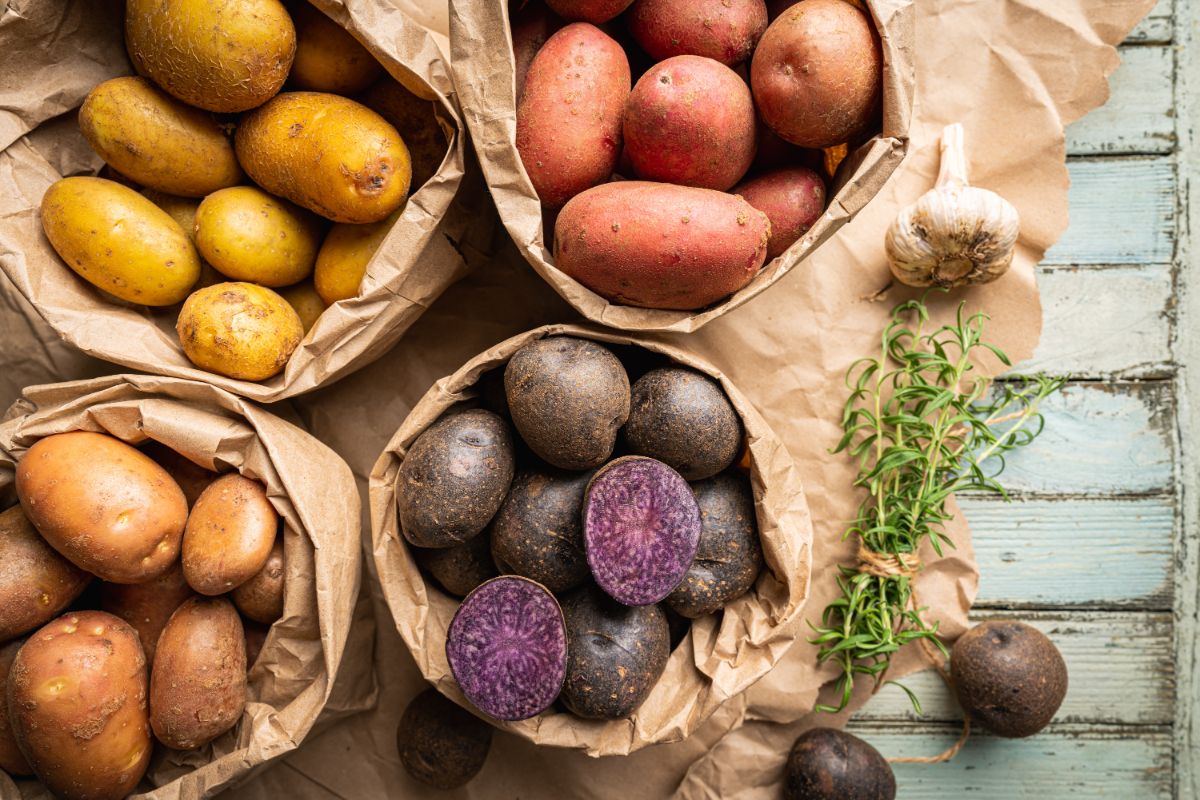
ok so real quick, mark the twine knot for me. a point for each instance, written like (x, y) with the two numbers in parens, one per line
(887, 565)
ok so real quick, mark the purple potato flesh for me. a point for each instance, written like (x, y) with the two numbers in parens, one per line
(641, 528)
(507, 648)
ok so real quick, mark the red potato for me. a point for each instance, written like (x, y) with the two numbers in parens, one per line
(726, 30)
(532, 26)
(569, 119)
(690, 120)
(817, 73)
(656, 245)
(793, 199)
(775, 153)
(593, 11)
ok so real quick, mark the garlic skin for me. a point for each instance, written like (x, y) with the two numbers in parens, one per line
(955, 234)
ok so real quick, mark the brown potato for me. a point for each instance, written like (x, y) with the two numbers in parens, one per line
(104, 505)
(239, 329)
(328, 58)
(229, 535)
(261, 597)
(11, 759)
(416, 120)
(192, 478)
(77, 704)
(147, 606)
(198, 683)
(36, 583)
(256, 638)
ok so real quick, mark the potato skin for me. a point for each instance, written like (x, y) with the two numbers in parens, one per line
(307, 303)
(793, 200)
(77, 704)
(261, 598)
(159, 142)
(248, 235)
(461, 568)
(120, 519)
(531, 27)
(328, 58)
(245, 63)
(343, 258)
(441, 744)
(327, 153)
(11, 759)
(569, 145)
(416, 120)
(593, 11)
(724, 30)
(690, 120)
(656, 245)
(538, 532)
(36, 583)
(198, 683)
(239, 329)
(229, 535)
(829, 763)
(192, 478)
(817, 75)
(147, 606)
(119, 241)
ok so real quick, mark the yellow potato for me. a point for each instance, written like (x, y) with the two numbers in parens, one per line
(36, 583)
(248, 235)
(229, 535)
(344, 255)
(119, 241)
(183, 211)
(416, 119)
(328, 58)
(239, 329)
(157, 141)
(327, 153)
(308, 304)
(105, 506)
(212, 54)
(77, 704)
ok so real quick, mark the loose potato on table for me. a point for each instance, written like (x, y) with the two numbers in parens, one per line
(328, 57)
(248, 235)
(261, 598)
(229, 536)
(118, 241)
(239, 329)
(36, 583)
(156, 140)
(725, 30)
(147, 606)
(104, 505)
(77, 704)
(212, 54)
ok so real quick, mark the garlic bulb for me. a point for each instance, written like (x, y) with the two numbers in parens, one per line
(955, 234)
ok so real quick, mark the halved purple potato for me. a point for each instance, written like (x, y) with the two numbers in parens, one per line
(441, 744)
(507, 648)
(641, 528)
(538, 532)
(454, 478)
(461, 568)
(729, 557)
(615, 654)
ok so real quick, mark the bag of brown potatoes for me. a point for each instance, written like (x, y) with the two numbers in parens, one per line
(180, 570)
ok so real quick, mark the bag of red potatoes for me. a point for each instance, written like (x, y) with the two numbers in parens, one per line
(660, 162)
(363, 251)
(193, 432)
(711, 658)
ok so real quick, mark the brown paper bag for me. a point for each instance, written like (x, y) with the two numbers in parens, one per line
(722, 654)
(313, 491)
(74, 46)
(483, 64)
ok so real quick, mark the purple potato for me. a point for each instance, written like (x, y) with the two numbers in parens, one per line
(615, 654)
(507, 648)
(568, 399)
(641, 528)
(683, 418)
(828, 764)
(461, 568)
(538, 532)
(454, 478)
(441, 744)
(729, 557)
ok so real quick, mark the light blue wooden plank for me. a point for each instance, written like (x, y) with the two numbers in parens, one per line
(1073, 552)
(1122, 212)
(1158, 26)
(1138, 116)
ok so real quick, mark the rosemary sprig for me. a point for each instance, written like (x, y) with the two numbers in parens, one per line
(919, 423)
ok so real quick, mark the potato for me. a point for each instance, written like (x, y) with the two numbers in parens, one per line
(327, 153)
(531, 27)
(593, 11)
(724, 30)
(817, 74)
(11, 759)
(304, 299)
(147, 606)
(239, 329)
(261, 598)
(417, 121)
(441, 744)
(248, 235)
(156, 140)
(538, 532)
(36, 583)
(793, 199)
(119, 241)
(461, 568)
(568, 398)
(229, 535)
(192, 478)
(569, 118)
(655, 245)
(256, 638)
(198, 682)
(183, 211)
(828, 764)
(691, 121)
(343, 258)
(328, 58)
(212, 54)
(77, 704)
(104, 505)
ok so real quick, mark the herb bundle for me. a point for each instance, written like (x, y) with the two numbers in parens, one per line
(923, 426)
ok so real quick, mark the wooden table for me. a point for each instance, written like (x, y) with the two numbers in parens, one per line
(1098, 548)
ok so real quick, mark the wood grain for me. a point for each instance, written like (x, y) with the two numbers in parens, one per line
(1138, 117)
(1157, 27)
